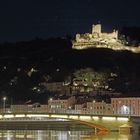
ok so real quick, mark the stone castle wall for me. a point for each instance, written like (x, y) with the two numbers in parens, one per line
(99, 39)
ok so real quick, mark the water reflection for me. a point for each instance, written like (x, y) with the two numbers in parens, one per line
(44, 135)
(62, 135)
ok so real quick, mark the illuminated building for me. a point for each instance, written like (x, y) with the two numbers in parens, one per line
(126, 106)
(61, 104)
(118, 106)
(99, 39)
(79, 107)
(99, 108)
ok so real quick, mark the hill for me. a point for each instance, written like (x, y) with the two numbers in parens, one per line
(24, 65)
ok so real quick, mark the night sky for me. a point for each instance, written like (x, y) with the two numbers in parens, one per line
(27, 19)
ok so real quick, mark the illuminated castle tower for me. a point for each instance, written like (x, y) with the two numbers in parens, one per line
(97, 32)
(96, 29)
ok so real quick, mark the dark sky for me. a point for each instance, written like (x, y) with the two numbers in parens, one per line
(27, 19)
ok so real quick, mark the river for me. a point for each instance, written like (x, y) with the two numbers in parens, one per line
(58, 130)
(63, 135)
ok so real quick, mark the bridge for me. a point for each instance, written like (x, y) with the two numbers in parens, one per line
(103, 123)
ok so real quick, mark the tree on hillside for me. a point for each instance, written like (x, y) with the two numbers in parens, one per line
(89, 79)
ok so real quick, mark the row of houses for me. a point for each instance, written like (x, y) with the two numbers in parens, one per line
(118, 106)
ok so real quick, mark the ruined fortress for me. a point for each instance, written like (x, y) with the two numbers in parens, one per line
(98, 39)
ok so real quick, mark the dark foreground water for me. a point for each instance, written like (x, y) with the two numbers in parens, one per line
(63, 135)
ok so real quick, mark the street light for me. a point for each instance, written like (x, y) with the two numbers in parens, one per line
(4, 101)
(125, 110)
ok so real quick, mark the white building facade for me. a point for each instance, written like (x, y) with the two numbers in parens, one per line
(99, 108)
(61, 105)
(126, 106)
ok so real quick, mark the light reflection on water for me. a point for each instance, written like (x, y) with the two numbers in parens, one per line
(62, 135)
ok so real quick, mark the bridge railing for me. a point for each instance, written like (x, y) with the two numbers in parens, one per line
(70, 111)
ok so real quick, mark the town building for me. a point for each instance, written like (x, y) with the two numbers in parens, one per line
(61, 104)
(99, 108)
(79, 107)
(129, 106)
(126, 106)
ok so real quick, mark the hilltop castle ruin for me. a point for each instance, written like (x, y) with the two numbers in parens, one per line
(99, 39)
